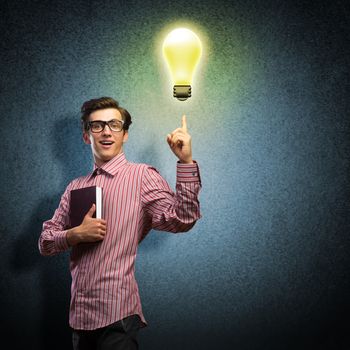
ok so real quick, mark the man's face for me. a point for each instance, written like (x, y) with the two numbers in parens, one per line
(106, 144)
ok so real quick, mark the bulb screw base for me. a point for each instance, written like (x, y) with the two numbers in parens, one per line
(182, 92)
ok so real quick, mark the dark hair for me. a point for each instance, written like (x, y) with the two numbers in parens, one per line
(96, 104)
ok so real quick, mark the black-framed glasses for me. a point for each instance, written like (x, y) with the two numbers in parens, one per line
(99, 125)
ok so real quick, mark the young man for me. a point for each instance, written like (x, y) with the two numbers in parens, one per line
(105, 308)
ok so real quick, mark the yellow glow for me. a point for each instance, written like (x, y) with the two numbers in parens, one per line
(182, 50)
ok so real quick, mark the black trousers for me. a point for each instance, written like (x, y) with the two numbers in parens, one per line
(121, 335)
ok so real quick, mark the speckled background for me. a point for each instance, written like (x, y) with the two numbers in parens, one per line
(267, 267)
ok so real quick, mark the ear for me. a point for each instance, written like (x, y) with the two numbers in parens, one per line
(125, 136)
(86, 138)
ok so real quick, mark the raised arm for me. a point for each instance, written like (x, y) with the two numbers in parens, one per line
(169, 211)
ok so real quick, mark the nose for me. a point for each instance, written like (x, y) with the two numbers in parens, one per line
(106, 130)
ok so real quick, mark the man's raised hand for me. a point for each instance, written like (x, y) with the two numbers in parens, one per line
(180, 143)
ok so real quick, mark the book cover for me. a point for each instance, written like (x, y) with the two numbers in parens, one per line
(81, 201)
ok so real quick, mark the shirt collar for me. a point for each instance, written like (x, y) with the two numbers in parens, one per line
(112, 166)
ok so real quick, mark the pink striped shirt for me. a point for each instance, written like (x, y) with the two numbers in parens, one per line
(136, 199)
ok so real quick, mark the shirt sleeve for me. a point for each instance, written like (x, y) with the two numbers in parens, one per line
(169, 211)
(53, 236)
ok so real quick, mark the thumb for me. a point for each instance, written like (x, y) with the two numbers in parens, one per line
(91, 211)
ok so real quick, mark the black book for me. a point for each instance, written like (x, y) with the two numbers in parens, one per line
(81, 201)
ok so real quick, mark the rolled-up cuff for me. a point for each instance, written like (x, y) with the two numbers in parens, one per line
(61, 240)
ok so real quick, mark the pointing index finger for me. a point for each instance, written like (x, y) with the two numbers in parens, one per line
(184, 123)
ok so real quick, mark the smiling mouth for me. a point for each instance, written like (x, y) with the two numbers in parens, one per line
(106, 143)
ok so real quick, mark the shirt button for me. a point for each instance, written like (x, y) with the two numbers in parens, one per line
(194, 174)
(98, 171)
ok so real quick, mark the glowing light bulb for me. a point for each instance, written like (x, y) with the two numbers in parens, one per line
(182, 50)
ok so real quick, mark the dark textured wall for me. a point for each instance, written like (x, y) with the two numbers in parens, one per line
(267, 267)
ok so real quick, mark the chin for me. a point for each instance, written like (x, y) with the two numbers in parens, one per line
(108, 157)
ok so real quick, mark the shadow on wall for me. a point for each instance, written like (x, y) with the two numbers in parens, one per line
(67, 149)
(54, 284)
